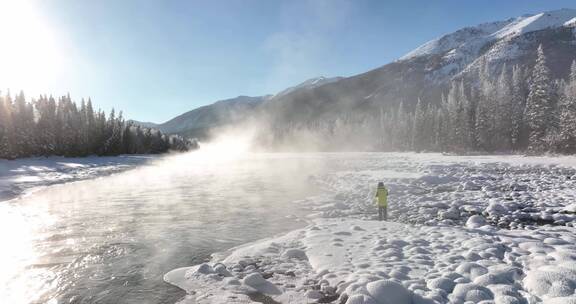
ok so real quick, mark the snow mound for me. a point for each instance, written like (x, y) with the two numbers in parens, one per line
(389, 292)
(254, 280)
(475, 221)
(551, 282)
(496, 209)
(294, 253)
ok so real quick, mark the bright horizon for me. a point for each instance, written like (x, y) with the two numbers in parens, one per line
(155, 60)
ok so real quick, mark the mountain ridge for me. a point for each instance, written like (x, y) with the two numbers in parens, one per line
(424, 73)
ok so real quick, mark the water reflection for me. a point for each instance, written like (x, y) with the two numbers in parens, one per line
(113, 238)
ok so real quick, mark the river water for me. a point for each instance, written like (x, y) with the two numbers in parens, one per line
(111, 239)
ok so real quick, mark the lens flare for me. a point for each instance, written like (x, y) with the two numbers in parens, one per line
(30, 56)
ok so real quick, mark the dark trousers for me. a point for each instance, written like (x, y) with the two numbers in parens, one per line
(382, 213)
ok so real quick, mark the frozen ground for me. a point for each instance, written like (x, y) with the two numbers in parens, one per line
(494, 229)
(18, 176)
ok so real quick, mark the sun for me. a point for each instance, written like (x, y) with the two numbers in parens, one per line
(30, 58)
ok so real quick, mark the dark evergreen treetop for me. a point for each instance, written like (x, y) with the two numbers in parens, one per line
(46, 126)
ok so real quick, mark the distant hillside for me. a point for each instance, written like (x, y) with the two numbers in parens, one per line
(469, 71)
(198, 122)
(426, 72)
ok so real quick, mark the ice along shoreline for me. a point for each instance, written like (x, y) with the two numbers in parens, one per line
(17, 177)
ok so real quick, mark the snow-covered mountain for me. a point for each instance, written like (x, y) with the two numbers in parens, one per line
(470, 39)
(198, 122)
(423, 73)
(500, 41)
(309, 84)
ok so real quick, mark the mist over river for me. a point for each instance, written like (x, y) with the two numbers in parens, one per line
(111, 239)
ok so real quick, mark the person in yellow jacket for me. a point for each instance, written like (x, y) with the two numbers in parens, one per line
(382, 198)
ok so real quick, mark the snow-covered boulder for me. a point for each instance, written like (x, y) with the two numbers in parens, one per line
(471, 270)
(295, 253)
(444, 284)
(314, 294)
(470, 292)
(389, 292)
(470, 186)
(561, 300)
(200, 270)
(222, 270)
(451, 214)
(551, 281)
(496, 209)
(361, 299)
(475, 221)
(254, 280)
(505, 299)
(260, 284)
(570, 208)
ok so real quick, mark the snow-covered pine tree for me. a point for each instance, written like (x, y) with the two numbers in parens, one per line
(6, 128)
(46, 125)
(428, 126)
(486, 110)
(444, 127)
(504, 125)
(23, 121)
(539, 109)
(418, 131)
(567, 114)
(518, 103)
(482, 127)
(454, 113)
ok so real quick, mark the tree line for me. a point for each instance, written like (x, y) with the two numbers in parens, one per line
(510, 109)
(48, 126)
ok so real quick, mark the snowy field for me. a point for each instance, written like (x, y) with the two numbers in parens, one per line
(18, 176)
(482, 229)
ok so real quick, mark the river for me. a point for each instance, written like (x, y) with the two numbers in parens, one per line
(111, 239)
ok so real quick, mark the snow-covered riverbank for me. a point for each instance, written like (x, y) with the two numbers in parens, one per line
(462, 229)
(18, 176)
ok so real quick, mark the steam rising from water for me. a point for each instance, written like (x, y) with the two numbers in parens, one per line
(114, 237)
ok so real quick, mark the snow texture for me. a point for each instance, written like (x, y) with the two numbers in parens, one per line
(485, 229)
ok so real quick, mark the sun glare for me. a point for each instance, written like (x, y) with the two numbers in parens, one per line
(29, 56)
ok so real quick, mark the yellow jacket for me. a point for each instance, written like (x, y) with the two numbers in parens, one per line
(382, 195)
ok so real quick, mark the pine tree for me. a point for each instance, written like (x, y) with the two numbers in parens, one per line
(518, 104)
(23, 121)
(539, 104)
(567, 114)
(46, 125)
(505, 107)
(6, 128)
(418, 129)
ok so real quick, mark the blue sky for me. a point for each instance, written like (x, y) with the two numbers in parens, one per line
(157, 59)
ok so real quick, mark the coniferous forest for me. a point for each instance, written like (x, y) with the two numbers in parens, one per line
(47, 126)
(511, 109)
